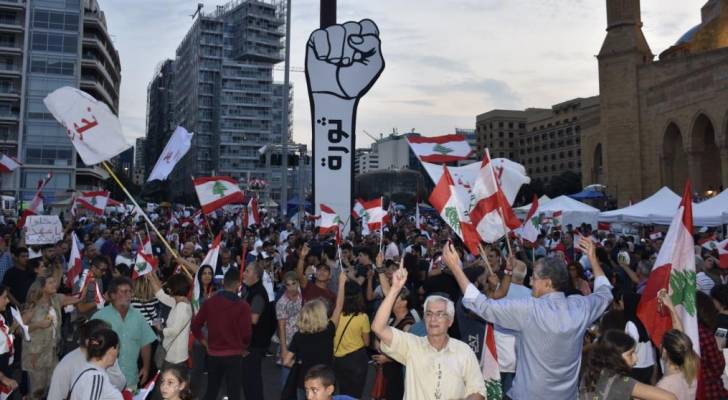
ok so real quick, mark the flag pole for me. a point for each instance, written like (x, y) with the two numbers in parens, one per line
(146, 217)
(381, 227)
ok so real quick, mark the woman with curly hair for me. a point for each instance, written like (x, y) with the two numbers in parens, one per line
(605, 369)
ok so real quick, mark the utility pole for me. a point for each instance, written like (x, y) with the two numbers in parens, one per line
(284, 128)
(328, 13)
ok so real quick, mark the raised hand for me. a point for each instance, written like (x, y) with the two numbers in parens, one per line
(399, 278)
(663, 298)
(587, 247)
(344, 60)
(304, 250)
(380, 260)
(451, 257)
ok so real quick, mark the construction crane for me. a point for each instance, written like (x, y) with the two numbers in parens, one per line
(293, 69)
(199, 8)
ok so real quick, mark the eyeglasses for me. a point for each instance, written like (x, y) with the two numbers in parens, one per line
(436, 315)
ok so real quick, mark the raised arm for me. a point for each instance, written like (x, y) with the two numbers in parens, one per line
(300, 271)
(339, 299)
(627, 270)
(379, 325)
(664, 299)
(505, 283)
(452, 260)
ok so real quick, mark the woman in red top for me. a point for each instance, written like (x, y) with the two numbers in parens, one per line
(712, 363)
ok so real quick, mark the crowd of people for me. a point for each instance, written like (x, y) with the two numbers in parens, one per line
(555, 319)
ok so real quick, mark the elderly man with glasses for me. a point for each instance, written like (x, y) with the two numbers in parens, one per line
(549, 327)
(437, 366)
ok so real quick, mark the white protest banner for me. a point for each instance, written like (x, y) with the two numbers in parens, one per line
(43, 229)
(342, 63)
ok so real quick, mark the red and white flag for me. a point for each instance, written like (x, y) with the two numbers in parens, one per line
(440, 149)
(375, 216)
(723, 254)
(177, 146)
(145, 261)
(557, 218)
(358, 210)
(93, 128)
(8, 164)
(490, 211)
(531, 227)
(5, 392)
(75, 267)
(489, 364)
(328, 221)
(143, 392)
(94, 201)
(674, 271)
(211, 260)
(36, 206)
(252, 215)
(452, 205)
(217, 191)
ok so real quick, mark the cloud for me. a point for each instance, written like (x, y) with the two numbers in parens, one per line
(495, 90)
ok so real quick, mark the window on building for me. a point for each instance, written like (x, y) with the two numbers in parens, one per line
(500, 124)
(54, 42)
(510, 125)
(45, 19)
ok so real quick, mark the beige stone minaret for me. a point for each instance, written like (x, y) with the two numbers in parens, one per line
(623, 52)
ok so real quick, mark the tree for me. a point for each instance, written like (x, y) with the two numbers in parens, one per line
(567, 183)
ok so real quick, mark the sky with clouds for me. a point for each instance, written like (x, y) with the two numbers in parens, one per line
(446, 60)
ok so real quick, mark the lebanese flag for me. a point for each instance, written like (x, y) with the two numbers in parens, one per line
(489, 365)
(328, 221)
(557, 218)
(440, 149)
(74, 263)
(148, 388)
(531, 227)
(491, 212)
(674, 270)
(5, 392)
(145, 261)
(252, 215)
(375, 216)
(723, 253)
(94, 201)
(211, 260)
(452, 204)
(418, 218)
(36, 206)
(217, 191)
(8, 164)
(358, 210)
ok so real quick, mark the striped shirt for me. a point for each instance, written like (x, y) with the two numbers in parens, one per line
(94, 385)
(148, 308)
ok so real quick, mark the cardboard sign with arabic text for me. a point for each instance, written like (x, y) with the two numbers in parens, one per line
(43, 229)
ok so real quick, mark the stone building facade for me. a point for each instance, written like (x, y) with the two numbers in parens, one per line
(660, 121)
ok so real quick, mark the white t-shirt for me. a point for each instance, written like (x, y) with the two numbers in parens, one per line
(645, 352)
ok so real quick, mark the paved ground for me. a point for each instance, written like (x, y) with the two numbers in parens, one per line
(272, 386)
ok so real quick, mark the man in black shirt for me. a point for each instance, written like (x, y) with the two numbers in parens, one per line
(19, 278)
(262, 314)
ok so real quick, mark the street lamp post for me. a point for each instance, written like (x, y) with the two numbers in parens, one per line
(328, 13)
(284, 125)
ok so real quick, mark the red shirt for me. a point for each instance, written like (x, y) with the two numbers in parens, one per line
(312, 292)
(712, 364)
(229, 327)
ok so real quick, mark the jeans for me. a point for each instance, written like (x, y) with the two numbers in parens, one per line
(252, 374)
(230, 368)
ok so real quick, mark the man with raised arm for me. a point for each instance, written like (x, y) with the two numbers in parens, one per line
(549, 326)
(437, 366)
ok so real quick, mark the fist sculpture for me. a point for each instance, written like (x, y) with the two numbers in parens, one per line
(344, 60)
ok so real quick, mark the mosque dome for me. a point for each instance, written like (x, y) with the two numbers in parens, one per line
(688, 36)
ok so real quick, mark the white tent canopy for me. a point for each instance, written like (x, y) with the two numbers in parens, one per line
(573, 211)
(661, 207)
(664, 203)
(712, 212)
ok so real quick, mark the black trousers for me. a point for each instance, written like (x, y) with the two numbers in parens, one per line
(252, 374)
(230, 368)
(351, 373)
